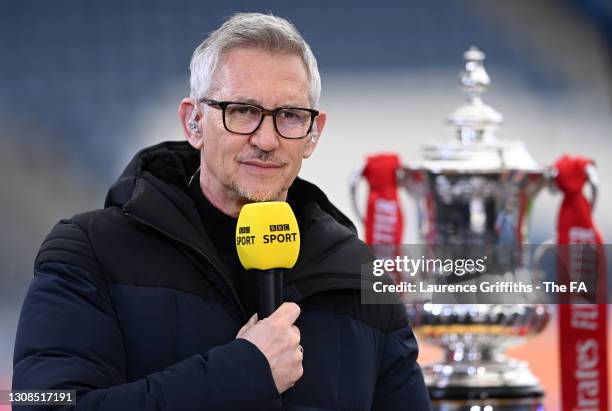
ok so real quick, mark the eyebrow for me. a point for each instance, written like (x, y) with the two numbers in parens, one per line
(247, 100)
(257, 103)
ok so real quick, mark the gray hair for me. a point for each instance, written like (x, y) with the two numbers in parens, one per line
(254, 30)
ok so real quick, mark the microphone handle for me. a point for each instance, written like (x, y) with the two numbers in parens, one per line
(270, 291)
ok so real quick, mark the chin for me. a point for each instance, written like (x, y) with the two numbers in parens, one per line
(258, 194)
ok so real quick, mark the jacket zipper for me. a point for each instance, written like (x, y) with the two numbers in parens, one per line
(197, 250)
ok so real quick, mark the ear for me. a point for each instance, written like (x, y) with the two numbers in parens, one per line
(190, 115)
(315, 134)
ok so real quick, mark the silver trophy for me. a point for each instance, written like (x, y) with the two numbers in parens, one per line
(476, 191)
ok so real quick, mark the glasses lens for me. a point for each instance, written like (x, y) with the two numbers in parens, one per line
(242, 118)
(293, 122)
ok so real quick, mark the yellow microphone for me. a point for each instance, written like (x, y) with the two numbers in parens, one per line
(268, 240)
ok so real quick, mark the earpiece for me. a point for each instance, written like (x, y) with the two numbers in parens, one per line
(193, 125)
(313, 137)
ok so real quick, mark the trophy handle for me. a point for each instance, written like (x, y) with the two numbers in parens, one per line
(354, 180)
(541, 249)
(592, 180)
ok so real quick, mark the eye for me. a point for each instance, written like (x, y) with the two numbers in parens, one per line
(294, 115)
(247, 110)
(242, 110)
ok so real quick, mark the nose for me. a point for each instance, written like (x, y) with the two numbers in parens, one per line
(265, 137)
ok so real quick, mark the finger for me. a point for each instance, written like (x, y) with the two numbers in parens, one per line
(287, 312)
(296, 331)
(252, 321)
(300, 355)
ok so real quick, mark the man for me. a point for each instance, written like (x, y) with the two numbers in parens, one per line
(144, 305)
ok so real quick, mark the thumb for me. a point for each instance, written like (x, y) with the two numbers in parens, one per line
(252, 321)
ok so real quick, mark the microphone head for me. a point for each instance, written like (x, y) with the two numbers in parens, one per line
(267, 236)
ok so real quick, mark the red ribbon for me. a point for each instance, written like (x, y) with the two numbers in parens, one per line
(582, 327)
(383, 220)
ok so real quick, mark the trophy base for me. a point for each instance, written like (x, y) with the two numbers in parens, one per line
(516, 404)
(483, 386)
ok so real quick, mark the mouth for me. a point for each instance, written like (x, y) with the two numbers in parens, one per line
(258, 166)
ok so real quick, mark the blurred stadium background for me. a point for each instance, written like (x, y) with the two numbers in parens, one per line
(83, 85)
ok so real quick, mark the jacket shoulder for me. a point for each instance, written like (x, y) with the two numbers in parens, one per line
(69, 241)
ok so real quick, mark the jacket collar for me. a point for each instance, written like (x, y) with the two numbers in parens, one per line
(154, 189)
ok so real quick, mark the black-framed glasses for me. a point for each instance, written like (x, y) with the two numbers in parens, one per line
(244, 118)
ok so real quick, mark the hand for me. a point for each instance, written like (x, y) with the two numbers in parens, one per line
(279, 340)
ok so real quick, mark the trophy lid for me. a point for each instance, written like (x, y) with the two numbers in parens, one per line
(474, 114)
(477, 148)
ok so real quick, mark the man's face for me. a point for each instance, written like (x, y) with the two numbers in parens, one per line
(260, 166)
